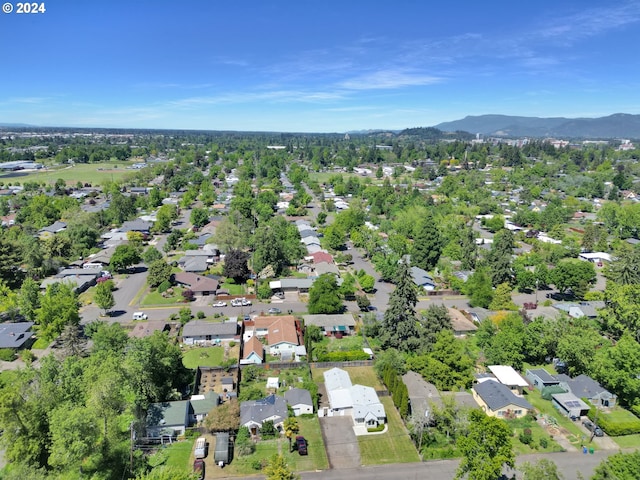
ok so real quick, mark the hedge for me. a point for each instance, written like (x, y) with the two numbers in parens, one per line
(613, 427)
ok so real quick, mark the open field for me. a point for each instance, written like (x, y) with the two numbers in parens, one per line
(394, 446)
(203, 357)
(359, 375)
(93, 173)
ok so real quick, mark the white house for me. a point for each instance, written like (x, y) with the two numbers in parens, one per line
(300, 401)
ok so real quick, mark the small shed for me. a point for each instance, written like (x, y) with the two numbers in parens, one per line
(569, 405)
(224, 449)
(273, 382)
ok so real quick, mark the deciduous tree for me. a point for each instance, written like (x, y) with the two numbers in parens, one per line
(236, 266)
(324, 296)
(103, 296)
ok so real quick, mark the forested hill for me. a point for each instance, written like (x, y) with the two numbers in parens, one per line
(431, 133)
(619, 125)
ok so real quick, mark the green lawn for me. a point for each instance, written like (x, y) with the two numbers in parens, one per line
(203, 357)
(155, 298)
(359, 375)
(40, 344)
(233, 288)
(94, 173)
(394, 446)
(317, 457)
(628, 441)
(179, 453)
(243, 466)
(345, 344)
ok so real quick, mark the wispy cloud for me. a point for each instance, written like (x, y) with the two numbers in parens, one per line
(169, 85)
(388, 79)
(248, 97)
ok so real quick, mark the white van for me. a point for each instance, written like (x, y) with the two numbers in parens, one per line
(139, 316)
(201, 448)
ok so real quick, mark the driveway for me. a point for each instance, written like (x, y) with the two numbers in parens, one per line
(340, 442)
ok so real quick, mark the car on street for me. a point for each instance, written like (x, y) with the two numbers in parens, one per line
(198, 467)
(236, 302)
(219, 304)
(140, 316)
(592, 427)
(245, 302)
(274, 311)
(301, 445)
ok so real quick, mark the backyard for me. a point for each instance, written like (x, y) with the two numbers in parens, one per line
(315, 460)
(203, 357)
(393, 446)
(256, 378)
(359, 375)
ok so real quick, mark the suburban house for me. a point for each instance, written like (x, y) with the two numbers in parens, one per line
(357, 401)
(422, 278)
(300, 401)
(253, 351)
(337, 324)
(324, 267)
(146, 329)
(540, 378)
(49, 231)
(319, 257)
(200, 285)
(168, 418)
(15, 335)
(461, 325)
(202, 332)
(582, 309)
(424, 395)
(79, 278)
(586, 387)
(201, 405)
(497, 400)
(254, 413)
(595, 257)
(298, 285)
(569, 405)
(507, 376)
(137, 225)
(281, 333)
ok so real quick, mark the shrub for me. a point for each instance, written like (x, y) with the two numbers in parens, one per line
(343, 356)
(232, 344)
(256, 464)
(525, 437)
(200, 314)
(187, 295)
(7, 354)
(613, 426)
(544, 443)
(164, 286)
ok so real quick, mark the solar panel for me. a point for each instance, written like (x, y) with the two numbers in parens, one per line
(573, 404)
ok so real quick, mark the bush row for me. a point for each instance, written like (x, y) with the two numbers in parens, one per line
(615, 428)
(343, 356)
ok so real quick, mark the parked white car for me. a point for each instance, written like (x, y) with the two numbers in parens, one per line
(219, 304)
(139, 316)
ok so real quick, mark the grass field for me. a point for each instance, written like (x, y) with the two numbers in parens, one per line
(179, 454)
(394, 446)
(359, 375)
(203, 357)
(628, 441)
(93, 173)
(233, 288)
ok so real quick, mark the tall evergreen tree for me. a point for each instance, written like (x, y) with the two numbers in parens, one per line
(400, 323)
(469, 249)
(427, 245)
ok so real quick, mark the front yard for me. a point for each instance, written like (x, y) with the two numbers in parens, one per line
(540, 440)
(156, 298)
(393, 446)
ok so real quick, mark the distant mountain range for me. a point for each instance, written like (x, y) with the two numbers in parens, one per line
(618, 125)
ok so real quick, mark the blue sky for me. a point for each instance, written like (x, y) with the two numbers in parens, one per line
(321, 66)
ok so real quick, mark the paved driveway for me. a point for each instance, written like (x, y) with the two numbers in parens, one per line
(340, 441)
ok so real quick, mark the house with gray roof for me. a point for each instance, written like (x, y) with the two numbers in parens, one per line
(15, 335)
(540, 378)
(497, 400)
(584, 386)
(254, 413)
(300, 401)
(198, 284)
(55, 227)
(569, 405)
(582, 309)
(137, 225)
(422, 278)
(203, 332)
(343, 323)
